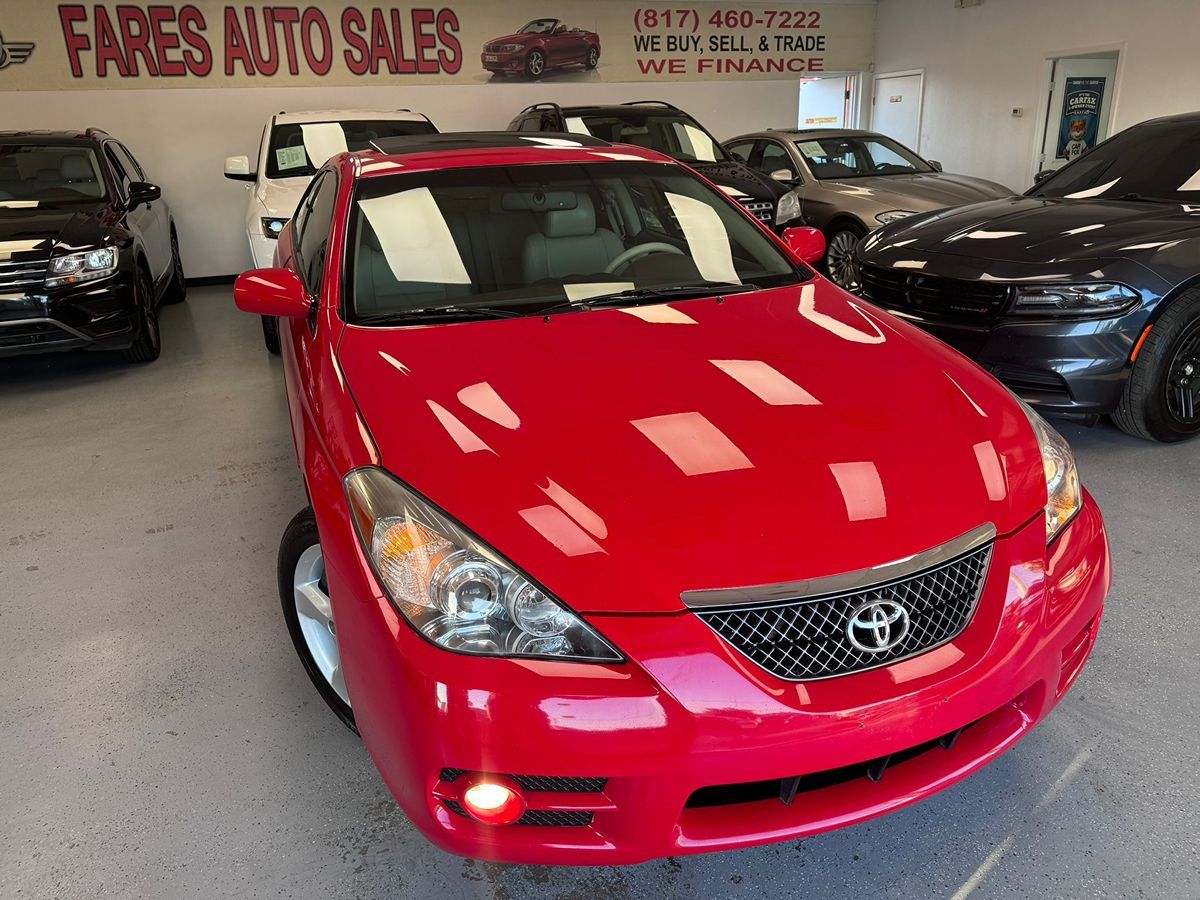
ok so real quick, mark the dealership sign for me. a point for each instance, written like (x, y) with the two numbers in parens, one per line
(209, 44)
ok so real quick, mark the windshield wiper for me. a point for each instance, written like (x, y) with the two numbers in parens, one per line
(633, 296)
(438, 312)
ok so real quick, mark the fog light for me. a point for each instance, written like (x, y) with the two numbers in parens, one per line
(492, 802)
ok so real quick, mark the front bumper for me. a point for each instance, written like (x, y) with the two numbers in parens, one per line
(688, 712)
(503, 62)
(262, 249)
(101, 315)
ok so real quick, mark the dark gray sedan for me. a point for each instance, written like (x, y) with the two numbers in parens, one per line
(850, 182)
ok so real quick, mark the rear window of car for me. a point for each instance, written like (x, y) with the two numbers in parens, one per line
(298, 149)
(525, 238)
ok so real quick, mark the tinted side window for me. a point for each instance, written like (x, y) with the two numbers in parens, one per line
(774, 157)
(530, 124)
(741, 150)
(131, 165)
(314, 219)
(122, 168)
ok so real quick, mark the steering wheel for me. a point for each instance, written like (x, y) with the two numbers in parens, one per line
(636, 252)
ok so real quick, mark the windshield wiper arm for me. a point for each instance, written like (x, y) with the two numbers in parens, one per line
(438, 312)
(634, 295)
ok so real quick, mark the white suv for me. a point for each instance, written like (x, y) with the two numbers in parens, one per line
(292, 148)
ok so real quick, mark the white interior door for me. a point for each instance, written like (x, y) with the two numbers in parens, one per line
(1081, 92)
(897, 108)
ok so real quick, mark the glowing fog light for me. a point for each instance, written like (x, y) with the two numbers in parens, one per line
(493, 803)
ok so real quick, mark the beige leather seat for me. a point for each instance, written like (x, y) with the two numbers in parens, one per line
(569, 243)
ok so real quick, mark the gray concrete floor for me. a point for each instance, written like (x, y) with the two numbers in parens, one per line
(159, 739)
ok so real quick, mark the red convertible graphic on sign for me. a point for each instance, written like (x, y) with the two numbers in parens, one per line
(542, 44)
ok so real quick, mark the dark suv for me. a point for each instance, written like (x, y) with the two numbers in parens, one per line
(1082, 296)
(660, 126)
(87, 246)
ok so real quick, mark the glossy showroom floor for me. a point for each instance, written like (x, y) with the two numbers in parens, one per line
(159, 738)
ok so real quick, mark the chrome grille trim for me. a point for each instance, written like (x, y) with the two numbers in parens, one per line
(763, 210)
(847, 581)
(806, 638)
(23, 272)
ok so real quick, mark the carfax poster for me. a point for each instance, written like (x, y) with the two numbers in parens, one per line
(207, 43)
(1080, 125)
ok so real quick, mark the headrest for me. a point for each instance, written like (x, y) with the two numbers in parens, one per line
(537, 201)
(77, 168)
(576, 222)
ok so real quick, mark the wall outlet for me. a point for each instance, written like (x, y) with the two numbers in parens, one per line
(1017, 112)
(963, 4)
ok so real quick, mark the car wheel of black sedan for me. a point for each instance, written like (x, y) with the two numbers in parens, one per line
(535, 64)
(593, 57)
(177, 289)
(840, 241)
(1162, 396)
(148, 344)
(270, 326)
(308, 612)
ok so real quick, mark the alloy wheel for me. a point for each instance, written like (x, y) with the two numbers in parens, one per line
(839, 259)
(537, 64)
(593, 58)
(150, 317)
(1183, 378)
(315, 613)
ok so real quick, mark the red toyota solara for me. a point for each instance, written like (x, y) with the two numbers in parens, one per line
(630, 536)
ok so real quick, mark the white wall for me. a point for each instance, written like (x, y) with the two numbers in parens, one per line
(981, 61)
(182, 136)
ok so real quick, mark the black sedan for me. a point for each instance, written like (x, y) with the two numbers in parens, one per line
(88, 248)
(1083, 296)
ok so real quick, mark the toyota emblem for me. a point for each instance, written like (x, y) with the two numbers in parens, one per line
(877, 626)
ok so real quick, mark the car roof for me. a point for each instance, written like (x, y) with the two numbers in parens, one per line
(89, 136)
(811, 133)
(348, 115)
(454, 150)
(642, 106)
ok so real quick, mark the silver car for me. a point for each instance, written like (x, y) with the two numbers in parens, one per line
(850, 182)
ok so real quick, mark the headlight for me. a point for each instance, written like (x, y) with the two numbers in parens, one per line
(272, 225)
(77, 267)
(455, 590)
(892, 215)
(1064, 496)
(511, 48)
(1073, 299)
(788, 208)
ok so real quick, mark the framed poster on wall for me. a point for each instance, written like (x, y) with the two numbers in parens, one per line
(1079, 128)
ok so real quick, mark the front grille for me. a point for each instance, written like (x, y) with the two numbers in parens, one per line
(493, 48)
(30, 334)
(763, 210)
(1025, 382)
(800, 640)
(546, 783)
(23, 274)
(951, 298)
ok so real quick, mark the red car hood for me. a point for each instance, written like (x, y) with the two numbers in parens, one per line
(621, 457)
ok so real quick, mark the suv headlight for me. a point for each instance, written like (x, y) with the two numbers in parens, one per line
(787, 208)
(456, 591)
(272, 226)
(76, 267)
(1064, 496)
(1099, 299)
(892, 215)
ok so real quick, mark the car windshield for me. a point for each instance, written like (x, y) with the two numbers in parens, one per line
(855, 156)
(675, 134)
(49, 174)
(539, 26)
(1154, 161)
(519, 240)
(298, 149)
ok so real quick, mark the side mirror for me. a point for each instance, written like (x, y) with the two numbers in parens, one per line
(934, 164)
(143, 192)
(1043, 175)
(784, 175)
(238, 168)
(271, 292)
(805, 243)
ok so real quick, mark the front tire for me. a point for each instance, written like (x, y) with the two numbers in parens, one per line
(304, 593)
(270, 327)
(1161, 400)
(148, 344)
(593, 57)
(535, 64)
(840, 241)
(177, 289)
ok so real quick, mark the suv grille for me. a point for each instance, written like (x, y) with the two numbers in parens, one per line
(763, 210)
(22, 274)
(948, 297)
(801, 640)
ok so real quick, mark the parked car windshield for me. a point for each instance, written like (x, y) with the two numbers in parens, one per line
(835, 158)
(673, 133)
(49, 174)
(298, 149)
(1153, 161)
(523, 239)
(539, 26)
